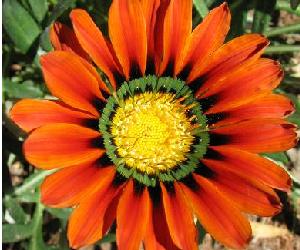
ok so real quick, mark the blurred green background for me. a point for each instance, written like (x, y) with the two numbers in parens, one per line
(27, 224)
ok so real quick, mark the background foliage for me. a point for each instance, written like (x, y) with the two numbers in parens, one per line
(27, 224)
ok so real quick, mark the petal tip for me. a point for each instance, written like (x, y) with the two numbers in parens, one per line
(76, 12)
(291, 110)
(43, 59)
(225, 7)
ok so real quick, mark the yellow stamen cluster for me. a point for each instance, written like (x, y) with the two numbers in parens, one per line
(152, 132)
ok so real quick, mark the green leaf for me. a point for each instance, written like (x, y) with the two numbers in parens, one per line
(296, 100)
(62, 214)
(45, 40)
(32, 182)
(15, 232)
(295, 118)
(25, 90)
(29, 197)
(239, 10)
(285, 5)
(279, 157)
(15, 210)
(296, 190)
(201, 7)
(19, 25)
(108, 238)
(39, 8)
(262, 15)
(201, 232)
(59, 9)
(294, 4)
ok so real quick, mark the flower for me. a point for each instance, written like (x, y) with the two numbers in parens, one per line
(171, 128)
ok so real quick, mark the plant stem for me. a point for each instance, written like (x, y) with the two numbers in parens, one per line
(283, 30)
(262, 15)
(282, 49)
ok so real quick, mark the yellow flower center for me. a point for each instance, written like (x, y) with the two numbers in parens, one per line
(152, 132)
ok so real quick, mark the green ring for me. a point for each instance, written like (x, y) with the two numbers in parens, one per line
(163, 85)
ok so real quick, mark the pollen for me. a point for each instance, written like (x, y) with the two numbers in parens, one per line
(152, 132)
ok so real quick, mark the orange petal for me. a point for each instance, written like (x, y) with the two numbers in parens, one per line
(69, 186)
(242, 50)
(87, 221)
(150, 8)
(95, 44)
(229, 93)
(203, 42)
(160, 226)
(249, 166)
(132, 217)
(62, 145)
(222, 220)
(150, 241)
(248, 196)
(177, 29)
(64, 38)
(96, 75)
(110, 214)
(68, 78)
(179, 218)
(258, 135)
(269, 106)
(127, 31)
(30, 114)
(159, 32)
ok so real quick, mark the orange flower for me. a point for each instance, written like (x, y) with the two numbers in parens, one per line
(171, 128)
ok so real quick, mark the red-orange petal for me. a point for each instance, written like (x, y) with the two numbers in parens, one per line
(62, 145)
(159, 32)
(150, 241)
(132, 217)
(110, 214)
(96, 75)
(64, 38)
(200, 46)
(127, 31)
(70, 186)
(242, 50)
(31, 113)
(87, 221)
(69, 79)
(222, 220)
(177, 29)
(160, 226)
(248, 165)
(179, 218)
(229, 93)
(95, 44)
(257, 135)
(150, 8)
(248, 196)
(269, 106)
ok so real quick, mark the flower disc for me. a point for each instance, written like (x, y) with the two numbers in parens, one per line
(152, 132)
(153, 128)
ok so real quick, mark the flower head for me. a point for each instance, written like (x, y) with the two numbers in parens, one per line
(169, 130)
